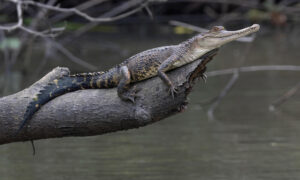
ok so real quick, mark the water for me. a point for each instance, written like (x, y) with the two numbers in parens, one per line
(244, 142)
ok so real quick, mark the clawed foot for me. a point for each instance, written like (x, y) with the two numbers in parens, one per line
(130, 95)
(204, 77)
(173, 91)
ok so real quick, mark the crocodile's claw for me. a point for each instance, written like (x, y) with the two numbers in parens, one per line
(173, 91)
(204, 77)
(130, 95)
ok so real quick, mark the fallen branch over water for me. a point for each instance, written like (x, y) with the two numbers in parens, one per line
(96, 111)
(254, 68)
(235, 75)
(287, 95)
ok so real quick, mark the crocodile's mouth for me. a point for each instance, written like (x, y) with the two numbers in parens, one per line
(235, 34)
(217, 39)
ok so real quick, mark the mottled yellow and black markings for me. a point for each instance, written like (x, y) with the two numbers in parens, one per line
(127, 77)
(115, 79)
(35, 98)
(55, 82)
(81, 87)
(98, 82)
(92, 83)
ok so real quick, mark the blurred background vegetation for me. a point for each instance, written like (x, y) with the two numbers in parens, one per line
(228, 131)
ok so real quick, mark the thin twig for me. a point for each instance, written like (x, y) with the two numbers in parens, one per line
(20, 19)
(115, 11)
(80, 7)
(71, 56)
(80, 13)
(231, 82)
(19, 24)
(233, 71)
(254, 68)
(291, 92)
(229, 85)
(149, 12)
(25, 36)
(46, 33)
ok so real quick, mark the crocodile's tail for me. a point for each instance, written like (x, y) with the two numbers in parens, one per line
(64, 85)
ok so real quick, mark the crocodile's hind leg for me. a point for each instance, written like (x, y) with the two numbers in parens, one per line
(124, 91)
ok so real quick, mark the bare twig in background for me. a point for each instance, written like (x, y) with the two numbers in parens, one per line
(52, 31)
(229, 85)
(71, 56)
(254, 68)
(31, 29)
(19, 24)
(41, 26)
(20, 19)
(115, 11)
(149, 12)
(80, 13)
(234, 78)
(46, 33)
(26, 37)
(81, 7)
(284, 97)
(236, 71)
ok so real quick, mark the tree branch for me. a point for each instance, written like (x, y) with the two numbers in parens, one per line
(98, 111)
(80, 13)
(223, 93)
(254, 68)
(53, 32)
(287, 95)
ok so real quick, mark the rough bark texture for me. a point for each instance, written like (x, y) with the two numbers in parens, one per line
(96, 111)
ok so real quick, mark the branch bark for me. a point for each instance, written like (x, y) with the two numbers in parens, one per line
(96, 111)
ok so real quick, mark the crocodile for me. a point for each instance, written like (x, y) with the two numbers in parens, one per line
(144, 65)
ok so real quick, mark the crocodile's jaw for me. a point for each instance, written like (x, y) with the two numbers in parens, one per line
(213, 40)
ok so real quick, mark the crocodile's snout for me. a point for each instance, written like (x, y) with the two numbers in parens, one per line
(255, 27)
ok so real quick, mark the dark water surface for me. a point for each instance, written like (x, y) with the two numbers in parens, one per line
(245, 142)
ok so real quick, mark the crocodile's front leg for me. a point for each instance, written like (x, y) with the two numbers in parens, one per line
(164, 67)
(124, 91)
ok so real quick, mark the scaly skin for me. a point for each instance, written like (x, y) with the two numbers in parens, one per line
(141, 66)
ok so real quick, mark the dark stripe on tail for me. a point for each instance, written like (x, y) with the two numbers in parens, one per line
(59, 87)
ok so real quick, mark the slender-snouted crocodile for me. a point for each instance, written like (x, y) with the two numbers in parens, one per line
(141, 66)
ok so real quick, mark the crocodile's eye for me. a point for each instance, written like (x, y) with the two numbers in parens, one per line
(217, 28)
